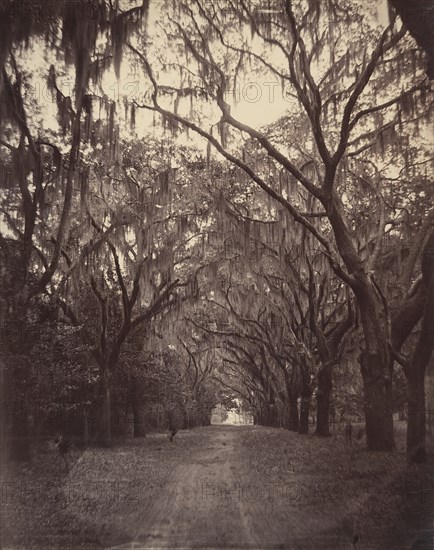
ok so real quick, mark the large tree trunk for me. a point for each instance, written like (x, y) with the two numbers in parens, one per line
(416, 431)
(376, 372)
(16, 379)
(429, 385)
(378, 402)
(85, 428)
(274, 419)
(20, 430)
(105, 415)
(294, 420)
(186, 420)
(3, 424)
(375, 357)
(262, 416)
(20, 439)
(416, 427)
(139, 428)
(285, 414)
(323, 400)
(306, 394)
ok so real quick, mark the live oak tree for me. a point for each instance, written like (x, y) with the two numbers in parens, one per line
(350, 98)
(132, 243)
(262, 338)
(34, 165)
(295, 271)
(200, 365)
(391, 215)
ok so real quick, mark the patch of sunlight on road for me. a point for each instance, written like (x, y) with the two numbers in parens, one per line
(221, 415)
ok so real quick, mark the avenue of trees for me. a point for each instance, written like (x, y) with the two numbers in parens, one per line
(161, 254)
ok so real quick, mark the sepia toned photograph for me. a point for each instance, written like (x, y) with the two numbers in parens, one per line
(217, 274)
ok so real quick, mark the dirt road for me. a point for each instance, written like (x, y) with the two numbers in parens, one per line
(211, 502)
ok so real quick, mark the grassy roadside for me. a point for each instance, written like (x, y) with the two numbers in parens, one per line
(375, 498)
(98, 502)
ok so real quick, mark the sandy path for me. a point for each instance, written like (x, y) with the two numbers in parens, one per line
(207, 503)
(200, 506)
